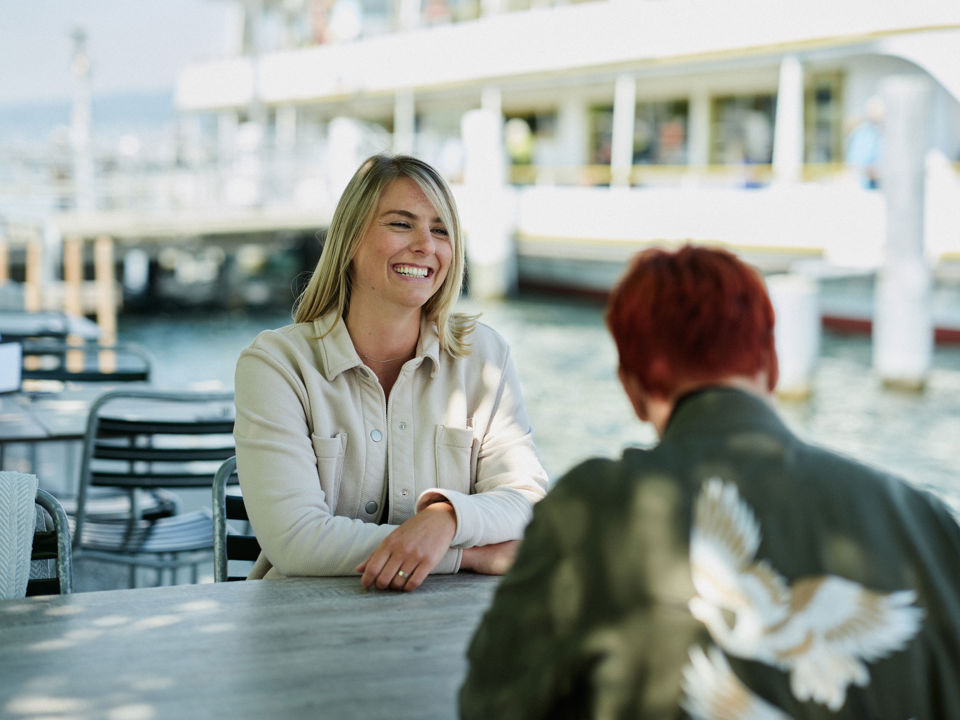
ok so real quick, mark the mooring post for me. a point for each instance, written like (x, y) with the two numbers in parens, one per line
(902, 322)
(796, 303)
(486, 206)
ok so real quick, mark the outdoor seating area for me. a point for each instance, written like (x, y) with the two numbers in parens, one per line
(128, 448)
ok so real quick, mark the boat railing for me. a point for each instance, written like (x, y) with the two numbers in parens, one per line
(35, 187)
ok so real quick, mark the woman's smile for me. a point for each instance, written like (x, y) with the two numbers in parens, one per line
(412, 271)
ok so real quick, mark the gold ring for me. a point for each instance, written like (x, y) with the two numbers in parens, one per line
(402, 574)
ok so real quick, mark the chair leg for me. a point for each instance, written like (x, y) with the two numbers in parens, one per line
(133, 576)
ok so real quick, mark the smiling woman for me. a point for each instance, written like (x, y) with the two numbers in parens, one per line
(383, 433)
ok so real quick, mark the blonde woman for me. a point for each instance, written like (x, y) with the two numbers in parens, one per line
(382, 433)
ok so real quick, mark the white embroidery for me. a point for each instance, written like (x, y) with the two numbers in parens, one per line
(819, 629)
(713, 692)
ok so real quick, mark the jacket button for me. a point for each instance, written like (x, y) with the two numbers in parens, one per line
(370, 507)
(376, 435)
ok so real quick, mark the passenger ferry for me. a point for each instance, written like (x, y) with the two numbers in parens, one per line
(575, 133)
(619, 122)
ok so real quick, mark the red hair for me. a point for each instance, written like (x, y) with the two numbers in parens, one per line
(691, 316)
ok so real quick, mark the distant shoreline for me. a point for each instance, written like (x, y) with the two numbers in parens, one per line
(113, 113)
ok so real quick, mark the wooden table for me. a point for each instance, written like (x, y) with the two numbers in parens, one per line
(296, 648)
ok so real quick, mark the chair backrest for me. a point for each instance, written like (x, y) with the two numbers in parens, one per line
(52, 544)
(229, 545)
(85, 362)
(153, 439)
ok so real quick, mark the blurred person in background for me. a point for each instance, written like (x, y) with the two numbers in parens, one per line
(383, 433)
(731, 571)
(864, 145)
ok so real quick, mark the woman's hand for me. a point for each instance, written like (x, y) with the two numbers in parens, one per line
(408, 554)
(493, 559)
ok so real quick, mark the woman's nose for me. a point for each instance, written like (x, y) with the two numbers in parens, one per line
(423, 241)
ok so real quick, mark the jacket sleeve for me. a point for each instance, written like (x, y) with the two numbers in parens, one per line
(509, 476)
(519, 654)
(288, 509)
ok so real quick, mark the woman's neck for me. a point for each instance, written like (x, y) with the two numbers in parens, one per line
(383, 339)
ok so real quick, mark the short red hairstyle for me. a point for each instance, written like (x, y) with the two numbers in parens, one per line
(689, 317)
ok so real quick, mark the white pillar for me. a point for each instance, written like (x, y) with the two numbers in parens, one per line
(491, 7)
(795, 301)
(286, 128)
(903, 327)
(491, 99)
(624, 119)
(487, 207)
(788, 125)
(698, 144)
(344, 141)
(283, 159)
(573, 122)
(404, 122)
(408, 14)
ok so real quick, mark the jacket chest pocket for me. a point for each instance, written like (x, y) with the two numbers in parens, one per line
(453, 448)
(330, 452)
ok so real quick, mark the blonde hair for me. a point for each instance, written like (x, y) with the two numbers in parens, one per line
(329, 286)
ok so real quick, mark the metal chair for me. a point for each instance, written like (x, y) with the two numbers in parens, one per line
(85, 362)
(51, 548)
(229, 544)
(144, 442)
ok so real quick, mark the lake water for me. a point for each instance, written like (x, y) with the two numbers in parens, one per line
(567, 365)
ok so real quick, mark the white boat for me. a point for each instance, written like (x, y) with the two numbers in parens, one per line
(625, 122)
(615, 124)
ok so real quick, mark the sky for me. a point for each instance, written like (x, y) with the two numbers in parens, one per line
(134, 45)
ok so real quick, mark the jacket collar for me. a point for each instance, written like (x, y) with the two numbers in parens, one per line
(721, 410)
(337, 353)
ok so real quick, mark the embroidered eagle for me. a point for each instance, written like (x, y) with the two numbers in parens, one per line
(820, 629)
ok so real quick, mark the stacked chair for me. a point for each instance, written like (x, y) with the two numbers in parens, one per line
(230, 542)
(142, 446)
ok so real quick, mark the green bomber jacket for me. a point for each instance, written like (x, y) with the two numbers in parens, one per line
(731, 571)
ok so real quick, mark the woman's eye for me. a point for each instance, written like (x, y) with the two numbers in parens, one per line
(399, 224)
(441, 231)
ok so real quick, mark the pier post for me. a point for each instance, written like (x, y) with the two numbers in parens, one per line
(34, 275)
(73, 275)
(795, 300)
(105, 282)
(486, 206)
(902, 323)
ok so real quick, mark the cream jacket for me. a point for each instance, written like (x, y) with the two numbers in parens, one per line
(320, 449)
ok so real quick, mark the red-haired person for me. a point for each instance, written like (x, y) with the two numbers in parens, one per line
(732, 571)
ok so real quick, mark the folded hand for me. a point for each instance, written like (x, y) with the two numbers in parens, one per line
(408, 554)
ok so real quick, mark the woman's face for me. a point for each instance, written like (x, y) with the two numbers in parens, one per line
(405, 254)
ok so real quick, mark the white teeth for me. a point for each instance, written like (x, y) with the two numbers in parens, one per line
(411, 271)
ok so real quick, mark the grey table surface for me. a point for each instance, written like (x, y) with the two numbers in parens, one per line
(294, 648)
(18, 325)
